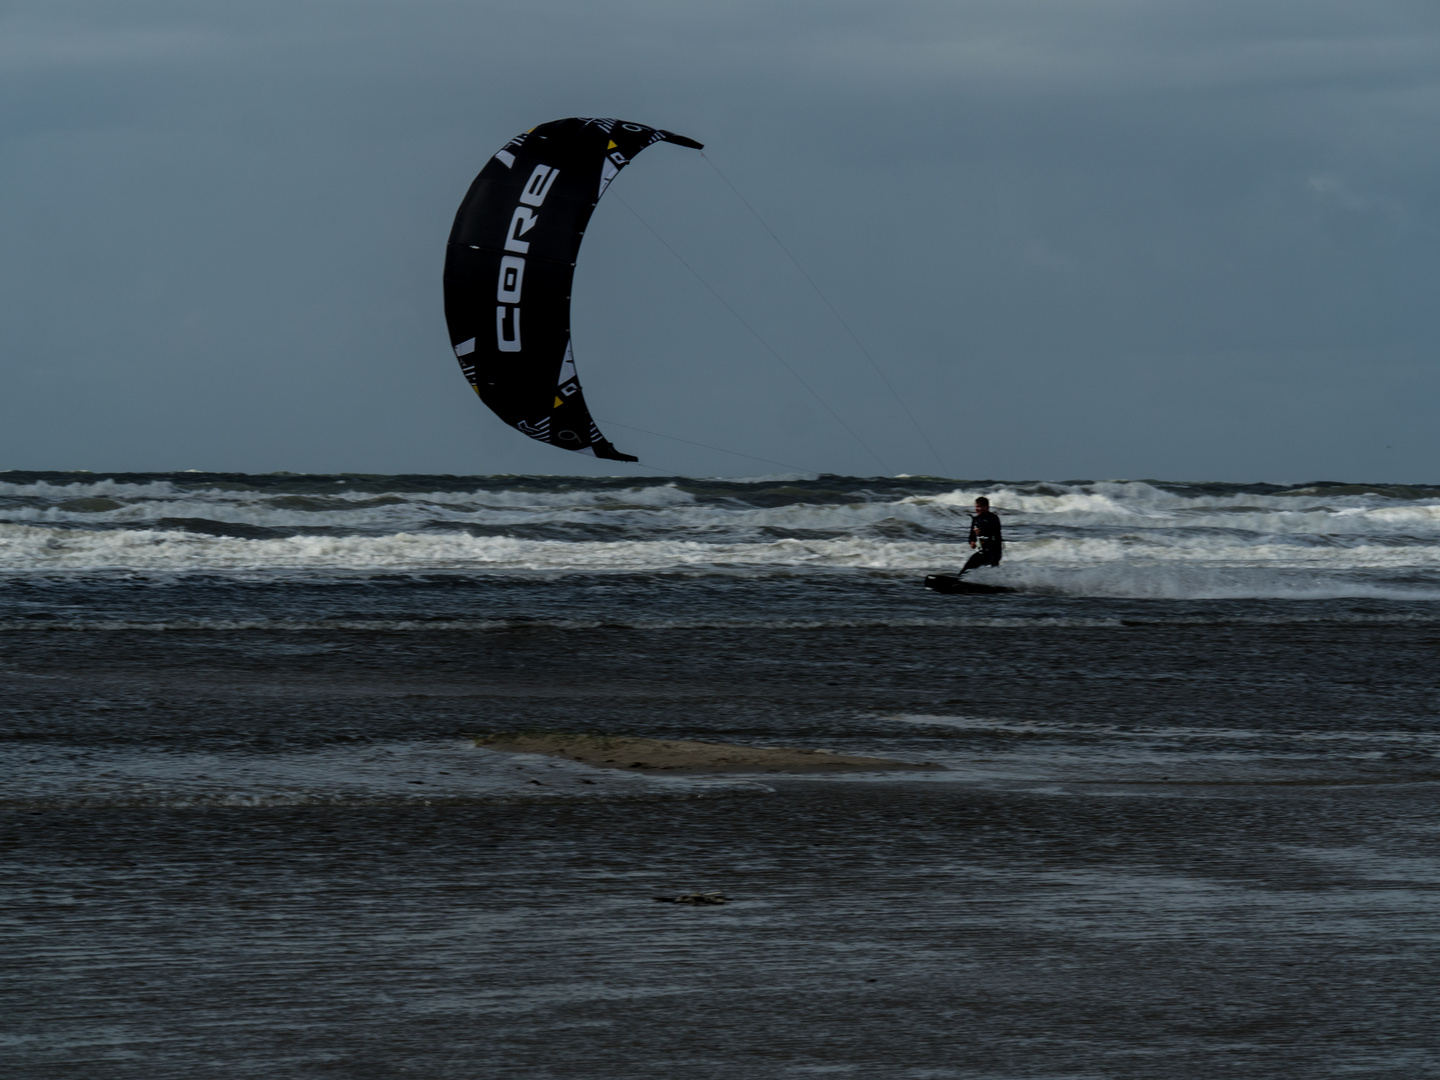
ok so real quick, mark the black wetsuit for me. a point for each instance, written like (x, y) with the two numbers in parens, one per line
(985, 531)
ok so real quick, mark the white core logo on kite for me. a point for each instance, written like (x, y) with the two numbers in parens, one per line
(538, 186)
(512, 279)
(521, 222)
(512, 267)
(507, 329)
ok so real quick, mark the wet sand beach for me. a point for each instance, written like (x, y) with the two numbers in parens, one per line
(884, 930)
(1048, 906)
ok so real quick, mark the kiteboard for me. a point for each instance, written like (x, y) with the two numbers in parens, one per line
(953, 583)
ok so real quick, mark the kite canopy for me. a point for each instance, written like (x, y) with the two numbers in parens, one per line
(509, 268)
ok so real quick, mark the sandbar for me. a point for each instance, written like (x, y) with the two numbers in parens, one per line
(686, 756)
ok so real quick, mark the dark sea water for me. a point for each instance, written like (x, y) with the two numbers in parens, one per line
(1187, 827)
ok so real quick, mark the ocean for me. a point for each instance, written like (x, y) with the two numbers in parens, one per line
(1185, 827)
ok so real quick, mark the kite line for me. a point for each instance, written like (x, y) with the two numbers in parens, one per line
(833, 311)
(756, 335)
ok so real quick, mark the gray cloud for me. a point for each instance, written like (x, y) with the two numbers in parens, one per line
(1110, 239)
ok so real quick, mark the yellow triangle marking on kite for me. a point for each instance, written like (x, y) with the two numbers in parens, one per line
(612, 145)
(558, 402)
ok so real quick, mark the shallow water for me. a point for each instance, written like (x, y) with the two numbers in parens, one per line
(1186, 826)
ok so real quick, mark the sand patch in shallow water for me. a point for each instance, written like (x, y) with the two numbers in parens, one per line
(685, 755)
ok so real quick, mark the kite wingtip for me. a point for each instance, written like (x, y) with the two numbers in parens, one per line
(681, 140)
(606, 449)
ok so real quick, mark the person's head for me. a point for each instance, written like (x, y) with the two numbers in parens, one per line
(982, 504)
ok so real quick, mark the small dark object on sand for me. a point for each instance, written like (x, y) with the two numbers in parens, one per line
(697, 899)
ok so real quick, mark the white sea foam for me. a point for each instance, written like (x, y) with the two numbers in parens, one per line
(34, 547)
(39, 548)
(664, 507)
(1141, 505)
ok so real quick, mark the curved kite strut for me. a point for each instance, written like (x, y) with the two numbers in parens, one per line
(509, 268)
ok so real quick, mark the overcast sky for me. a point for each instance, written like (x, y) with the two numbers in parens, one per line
(1192, 240)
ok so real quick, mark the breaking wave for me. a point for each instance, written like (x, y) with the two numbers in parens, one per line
(1126, 539)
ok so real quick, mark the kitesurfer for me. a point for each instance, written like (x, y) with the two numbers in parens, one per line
(984, 532)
